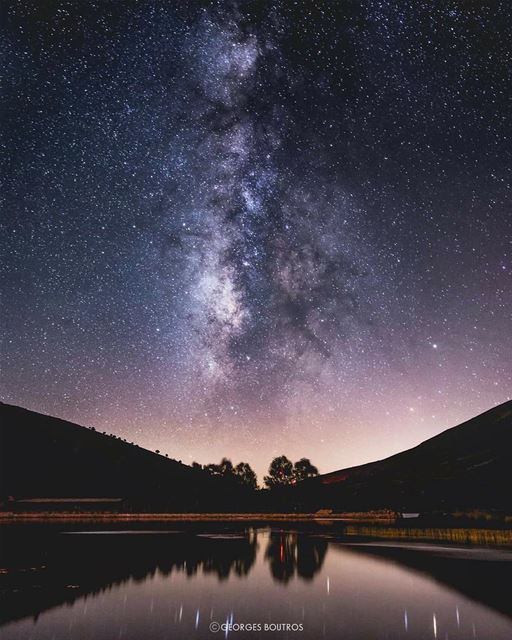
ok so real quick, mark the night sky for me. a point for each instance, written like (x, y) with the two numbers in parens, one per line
(258, 228)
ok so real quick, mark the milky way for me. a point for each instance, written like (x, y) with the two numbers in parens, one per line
(257, 228)
(270, 273)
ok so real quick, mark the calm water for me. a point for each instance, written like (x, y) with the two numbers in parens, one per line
(137, 585)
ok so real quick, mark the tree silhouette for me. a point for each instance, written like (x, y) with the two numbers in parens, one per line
(242, 473)
(280, 472)
(303, 469)
(226, 468)
(245, 475)
(213, 469)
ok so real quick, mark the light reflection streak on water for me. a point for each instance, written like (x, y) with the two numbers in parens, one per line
(229, 621)
(365, 596)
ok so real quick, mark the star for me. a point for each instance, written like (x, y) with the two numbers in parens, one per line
(228, 230)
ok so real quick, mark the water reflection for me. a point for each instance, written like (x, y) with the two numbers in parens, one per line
(478, 573)
(163, 584)
(290, 554)
(41, 567)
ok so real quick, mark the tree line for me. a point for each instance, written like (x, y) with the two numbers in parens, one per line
(281, 472)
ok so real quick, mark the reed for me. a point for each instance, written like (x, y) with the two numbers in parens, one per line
(457, 535)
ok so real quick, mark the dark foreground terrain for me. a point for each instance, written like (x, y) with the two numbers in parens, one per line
(468, 466)
(47, 464)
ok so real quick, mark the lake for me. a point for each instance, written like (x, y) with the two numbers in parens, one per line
(241, 581)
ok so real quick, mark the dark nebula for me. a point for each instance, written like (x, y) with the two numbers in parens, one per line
(259, 227)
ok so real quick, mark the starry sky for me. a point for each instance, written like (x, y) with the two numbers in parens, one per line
(257, 228)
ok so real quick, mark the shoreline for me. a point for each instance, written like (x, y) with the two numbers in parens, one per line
(357, 527)
(192, 517)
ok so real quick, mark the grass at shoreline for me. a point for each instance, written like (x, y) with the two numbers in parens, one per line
(163, 517)
(458, 535)
(361, 525)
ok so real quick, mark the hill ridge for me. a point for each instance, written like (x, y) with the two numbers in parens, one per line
(505, 409)
(43, 456)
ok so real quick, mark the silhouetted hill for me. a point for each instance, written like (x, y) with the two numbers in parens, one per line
(45, 457)
(469, 465)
